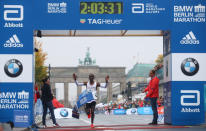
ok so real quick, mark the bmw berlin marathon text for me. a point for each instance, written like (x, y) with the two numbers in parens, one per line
(14, 100)
(189, 14)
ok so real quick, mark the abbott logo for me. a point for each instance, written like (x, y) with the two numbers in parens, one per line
(183, 97)
(137, 8)
(11, 10)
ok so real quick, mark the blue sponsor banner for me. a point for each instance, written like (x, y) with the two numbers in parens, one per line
(188, 39)
(205, 96)
(187, 103)
(185, 20)
(21, 118)
(145, 111)
(15, 27)
(13, 97)
(16, 48)
(167, 103)
(119, 112)
(84, 97)
(16, 41)
(188, 26)
(64, 14)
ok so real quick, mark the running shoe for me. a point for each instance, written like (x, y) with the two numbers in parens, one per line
(44, 126)
(92, 126)
(56, 125)
(153, 123)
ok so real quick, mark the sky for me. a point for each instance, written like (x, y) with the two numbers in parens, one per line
(108, 52)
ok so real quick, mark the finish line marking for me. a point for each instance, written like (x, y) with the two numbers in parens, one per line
(84, 128)
(85, 121)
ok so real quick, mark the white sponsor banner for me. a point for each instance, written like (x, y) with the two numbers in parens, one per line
(63, 113)
(16, 68)
(167, 68)
(188, 67)
(131, 111)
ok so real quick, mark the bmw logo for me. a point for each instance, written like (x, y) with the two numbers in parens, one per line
(133, 111)
(189, 66)
(64, 113)
(13, 68)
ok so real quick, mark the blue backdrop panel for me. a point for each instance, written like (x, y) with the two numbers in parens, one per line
(205, 96)
(16, 31)
(157, 19)
(22, 118)
(167, 102)
(24, 37)
(188, 26)
(16, 97)
(185, 20)
(119, 112)
(145, 111)
(15, 28)
(187, 103)
(188, 38)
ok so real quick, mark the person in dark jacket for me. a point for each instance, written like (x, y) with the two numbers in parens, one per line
(47, 97)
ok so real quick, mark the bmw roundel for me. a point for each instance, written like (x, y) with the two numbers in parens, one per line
(64, 113)
(13, 68)
(133, 111)
(190, 66)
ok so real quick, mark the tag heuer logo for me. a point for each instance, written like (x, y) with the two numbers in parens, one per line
(82, 21)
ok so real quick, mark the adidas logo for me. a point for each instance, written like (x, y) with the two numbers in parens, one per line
(13, 42)
(189, 39)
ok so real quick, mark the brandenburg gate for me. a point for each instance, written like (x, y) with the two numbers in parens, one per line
(64, 75)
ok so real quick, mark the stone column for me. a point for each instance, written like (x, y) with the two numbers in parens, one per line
(54, 92)
(66, 95)
(122, 86)
(98, 95)
(53, 88)
(109, 92)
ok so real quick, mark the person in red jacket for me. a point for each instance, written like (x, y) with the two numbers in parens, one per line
(153, 94)
(56, 103)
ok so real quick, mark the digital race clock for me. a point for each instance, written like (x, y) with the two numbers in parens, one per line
(101, 8)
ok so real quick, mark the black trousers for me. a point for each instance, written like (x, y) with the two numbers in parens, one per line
(154, 109)
(47, 105)
(90, 108)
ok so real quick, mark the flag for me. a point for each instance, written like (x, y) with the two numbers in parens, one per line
(84, 97)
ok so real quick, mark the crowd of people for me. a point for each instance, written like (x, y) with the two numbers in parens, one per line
(127, 105)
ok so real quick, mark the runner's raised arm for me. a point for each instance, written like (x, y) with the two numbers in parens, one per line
(76, 82)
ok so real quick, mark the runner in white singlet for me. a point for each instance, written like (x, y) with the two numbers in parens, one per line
(91, 86)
